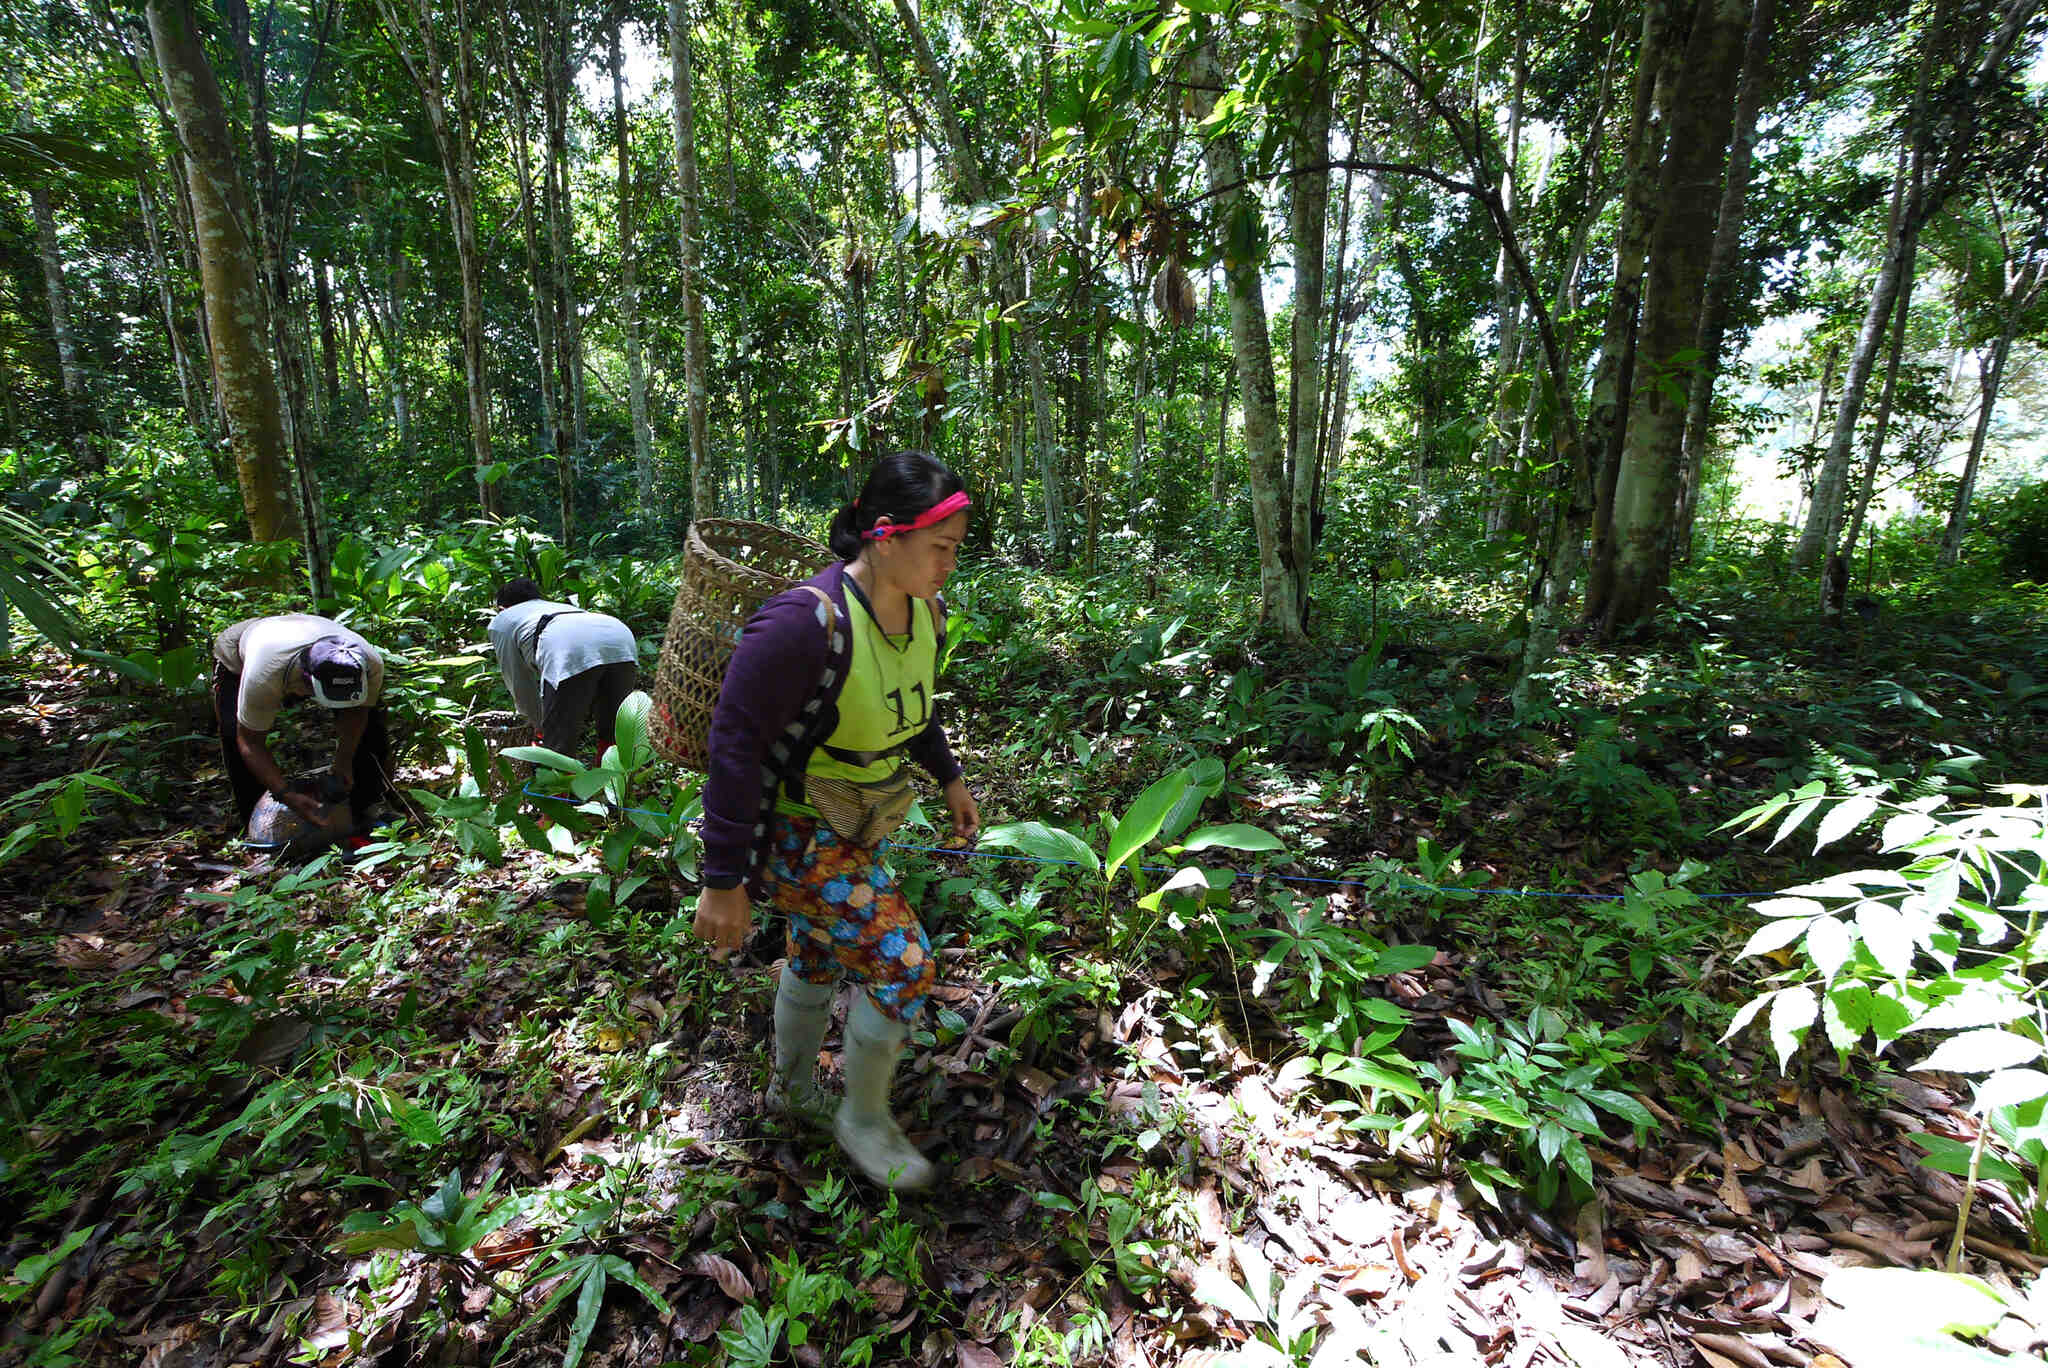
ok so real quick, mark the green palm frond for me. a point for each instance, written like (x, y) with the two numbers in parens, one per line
(32, 581)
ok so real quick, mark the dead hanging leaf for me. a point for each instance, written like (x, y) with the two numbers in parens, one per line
(1173, 294)
(726, 1274)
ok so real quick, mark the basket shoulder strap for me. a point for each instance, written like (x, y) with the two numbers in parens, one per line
(831, 608)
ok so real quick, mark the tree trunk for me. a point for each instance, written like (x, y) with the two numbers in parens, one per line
(2022, 289)
(330, 350)
(562, 233)
(190, 391)
(395, 363)
(417, 42)
(1937, 162)
(629, 287)
(1723, 268)
(1615, 369)
(242, 375)
(1309, 214)
(1265, 453)
(1990, 371)
(540, 286)
(696, 356)
(1506, 297)
(1013, 281)
(1834, 587)
(1646, 490)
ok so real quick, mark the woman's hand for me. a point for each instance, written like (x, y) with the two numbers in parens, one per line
(724, 916)
(966, 812)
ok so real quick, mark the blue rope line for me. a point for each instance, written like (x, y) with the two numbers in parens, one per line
(1235, 874)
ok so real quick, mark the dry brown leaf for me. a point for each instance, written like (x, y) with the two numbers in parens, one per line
(1730, 1349)
(1037, 1082)
(968, 1354)
(726, 1274)
(1731, 1193)
(888, 1293)
(1592, 1236)
(329, 1329)
(191, 1345)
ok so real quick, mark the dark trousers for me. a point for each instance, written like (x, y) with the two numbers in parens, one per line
(370, 779)
(593, 696)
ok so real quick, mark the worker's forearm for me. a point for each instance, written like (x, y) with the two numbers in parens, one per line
(256, 755)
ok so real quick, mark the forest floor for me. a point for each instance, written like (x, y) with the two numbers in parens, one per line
(211, 1064)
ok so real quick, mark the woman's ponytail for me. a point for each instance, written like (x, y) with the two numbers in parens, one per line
(845, 538)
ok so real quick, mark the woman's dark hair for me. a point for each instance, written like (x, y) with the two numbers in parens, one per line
(517, 591)
(902, 485)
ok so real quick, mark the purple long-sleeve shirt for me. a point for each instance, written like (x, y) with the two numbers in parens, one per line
(780, 699)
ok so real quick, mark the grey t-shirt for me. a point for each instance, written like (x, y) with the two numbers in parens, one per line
(574, 641)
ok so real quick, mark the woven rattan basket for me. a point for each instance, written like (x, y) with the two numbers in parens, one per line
(730, 568)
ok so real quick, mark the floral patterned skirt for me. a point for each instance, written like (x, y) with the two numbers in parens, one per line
(846, 915)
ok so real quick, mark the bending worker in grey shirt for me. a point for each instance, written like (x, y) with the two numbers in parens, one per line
(563, 665)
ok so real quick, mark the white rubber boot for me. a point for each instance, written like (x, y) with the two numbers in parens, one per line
(864, 1127)
(801, 1010)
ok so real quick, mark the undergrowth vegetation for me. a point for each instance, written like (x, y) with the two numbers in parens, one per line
(488, 1069)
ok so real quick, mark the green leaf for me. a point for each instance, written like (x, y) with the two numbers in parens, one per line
(1043, 842)
(1793, 819)
(1142, 822)
(1947, 1155)
(589, 1300)
(1775, 935)
(1918, 1301)
(1982, 1051)
(37, 1267)
(631, 731)
(1792, 1011)
(1890, 939)
(1233, 836)
(1843, 818)
(548, 759)
(1217, 1289)
(2010, 1088)
(1829, 943)
(590, 783)
(1364, 1073)
(623, 1272)
(1399, 959)
(1621, 1105)
(1205, 781)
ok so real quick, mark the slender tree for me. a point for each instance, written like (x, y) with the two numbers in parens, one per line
(226, 237)
(447, 83)
(696, 348)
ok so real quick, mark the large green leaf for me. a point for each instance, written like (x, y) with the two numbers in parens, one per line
(1234, 836)
(1142, 822)
(550, 759)
(1036, 839)
(630, 731)
(1205, 781)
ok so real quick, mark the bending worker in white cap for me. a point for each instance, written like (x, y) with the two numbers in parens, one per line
(263, 665)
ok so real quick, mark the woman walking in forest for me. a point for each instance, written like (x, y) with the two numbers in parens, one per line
(829, 689)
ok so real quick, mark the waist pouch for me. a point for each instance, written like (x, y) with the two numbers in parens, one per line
(862, 814)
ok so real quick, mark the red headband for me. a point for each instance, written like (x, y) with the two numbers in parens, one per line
(937, 513)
